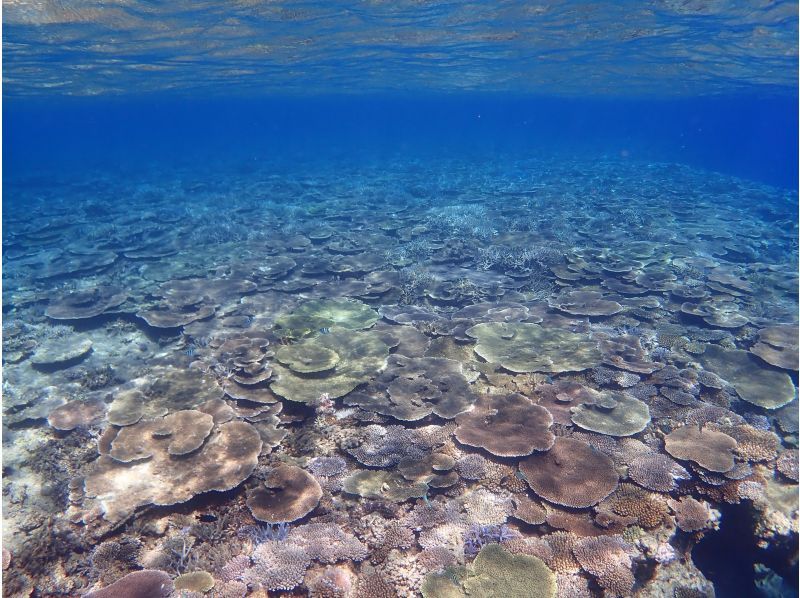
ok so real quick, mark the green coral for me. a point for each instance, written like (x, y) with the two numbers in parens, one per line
(524, 348)
(755, 383)
(627, 417)
(446, 584)
(307, 358)
(361, 356)
(389, 485)
(314, 315)
(495, 573)
(197, 581)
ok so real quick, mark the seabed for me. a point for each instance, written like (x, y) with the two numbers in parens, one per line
(444, 378)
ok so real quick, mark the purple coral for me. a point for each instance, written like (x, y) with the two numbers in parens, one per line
(277, 566)
(386, 447)
(327, 466)
(479, 536)
(265, 532)
(235, 569)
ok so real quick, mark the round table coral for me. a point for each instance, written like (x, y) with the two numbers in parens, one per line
(307, 358)
(571, 474)
(288, 494)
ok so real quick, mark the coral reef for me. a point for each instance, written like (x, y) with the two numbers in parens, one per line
(506, 425)
(288, 494)
(528, 389)
(571, 474)
(138, 584)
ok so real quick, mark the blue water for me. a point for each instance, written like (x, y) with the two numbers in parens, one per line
(753, 136)
(180, 177)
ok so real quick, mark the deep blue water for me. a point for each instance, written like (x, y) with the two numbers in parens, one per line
(744, 135)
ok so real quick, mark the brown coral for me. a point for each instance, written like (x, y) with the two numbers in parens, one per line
(472, 467)
(277, 566)
(709, 449)
(571, 474)
(374, 585)
(777, 345)
(75, 414)
(327, 543)
(171, 315)
(333, 582)
(436, 558)
(691, 515)
(184, 431)
(626, 353)
(787, 464)
(648, 508)
(80, 305)
(585, 303)
(225, 460)
(656, 471)
(562, 559)
(135, 442)
(289, 493)
(508, 425)
(187, 430)
(412, 388)
(752, 444)
(560, 396)
(579, 523)
(433, 469)
(607, 559)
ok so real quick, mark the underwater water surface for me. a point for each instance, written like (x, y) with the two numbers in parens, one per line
(366, 300)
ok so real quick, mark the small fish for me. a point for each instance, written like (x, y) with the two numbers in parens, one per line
(324, 330)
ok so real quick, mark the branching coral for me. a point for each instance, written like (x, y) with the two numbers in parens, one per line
(607, 559)
(478, 536)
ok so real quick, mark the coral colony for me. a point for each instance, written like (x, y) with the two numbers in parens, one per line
(523, 395)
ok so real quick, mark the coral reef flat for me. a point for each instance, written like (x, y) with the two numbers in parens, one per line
(519, 377)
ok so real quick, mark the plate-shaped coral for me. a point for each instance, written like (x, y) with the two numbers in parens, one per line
(777, 345)
(495, 573)
(626, 417)
(361, 356)
(61, 351)
(711, 450)
(754, 382)
(225, 460)
(723, 314)
(525, 348)
(289, 493)
(383, 484)
(307, 358)
(317, 314)
(90, 303)
(412, 388)
(509, 425)
(161, 390)
(571, 474)
(75, 414)
(585, 303)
